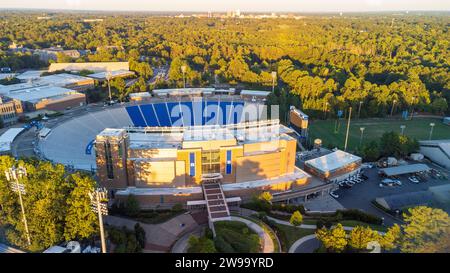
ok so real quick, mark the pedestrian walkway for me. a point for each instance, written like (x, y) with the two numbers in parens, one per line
(182, 244)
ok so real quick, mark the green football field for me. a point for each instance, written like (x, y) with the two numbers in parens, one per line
(418, 128)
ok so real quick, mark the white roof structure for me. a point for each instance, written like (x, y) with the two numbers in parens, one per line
(114, 74)
(254, 93)
(92, 66)
(140, 95)
(8, 137)
(35, 94)
(332, 161)
(62, 79)
(30, 75)
(405, 169)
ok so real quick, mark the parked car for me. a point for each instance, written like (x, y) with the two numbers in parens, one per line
(414, 179)
(334, 195)
(349, 184)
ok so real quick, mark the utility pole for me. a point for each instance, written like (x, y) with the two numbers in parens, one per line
(108, 78)
(99, 205)
(393, 105)
(274, 77)
(12, 176)
(348, 128)
(431, 129)
(359, 109)
(183, 70)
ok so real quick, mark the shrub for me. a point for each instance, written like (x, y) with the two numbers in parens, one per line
(296, 218)
(140, 235)
(358, 215)
(132, 206)
(177, 207)
(222, 246)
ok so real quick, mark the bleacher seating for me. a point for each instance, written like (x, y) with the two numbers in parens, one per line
(188, 113)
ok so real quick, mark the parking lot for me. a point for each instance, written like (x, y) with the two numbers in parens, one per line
(361, 195)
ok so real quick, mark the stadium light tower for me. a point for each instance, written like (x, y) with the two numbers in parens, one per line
(12, 176)
(108, 78)
(348, 128)
(431, 129)
(183, 70)
(393, 105)
(99, 205)
(403, 129)
(274, 78)
(362, 134)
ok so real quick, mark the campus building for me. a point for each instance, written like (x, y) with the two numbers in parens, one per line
(10, 111)
(335, 166)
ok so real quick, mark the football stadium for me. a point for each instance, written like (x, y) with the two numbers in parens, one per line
(199, 147)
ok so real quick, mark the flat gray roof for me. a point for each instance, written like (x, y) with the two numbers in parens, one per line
(255, 93)
(36, 94)
(405, 169)
(114, 74)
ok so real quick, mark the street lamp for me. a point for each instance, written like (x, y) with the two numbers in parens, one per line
(403, 129)
(99, 205)
(274, 77)
(431, 129)
(108, 78)
(12, 176)
(183, 70)
(359, 109)
(393, 105)
(362, 133)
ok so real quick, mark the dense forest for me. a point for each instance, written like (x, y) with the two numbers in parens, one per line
(323, 63)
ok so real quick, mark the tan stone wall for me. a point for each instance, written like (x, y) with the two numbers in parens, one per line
(159, 174)
(298, 121)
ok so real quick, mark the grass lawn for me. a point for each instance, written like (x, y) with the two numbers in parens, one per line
(418, 128)
(292, 234)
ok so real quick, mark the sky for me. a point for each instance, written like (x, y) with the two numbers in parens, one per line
(225, 5)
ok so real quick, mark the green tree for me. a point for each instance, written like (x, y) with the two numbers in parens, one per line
(296, 218)
(200, 245)
(423, 229)
(360, 237)
(80, 221)
(333, 240)
(266, 197)
(132, 206)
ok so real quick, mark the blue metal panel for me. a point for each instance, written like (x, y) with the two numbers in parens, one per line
(136, 116)
(228, 169)
(192, 164)
(174, 113)
(161, 112)
(149, 115)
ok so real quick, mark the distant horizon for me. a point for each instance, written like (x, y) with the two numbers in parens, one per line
(219, 6)
(217, 11)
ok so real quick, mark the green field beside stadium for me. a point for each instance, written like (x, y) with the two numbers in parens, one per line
(418, 128)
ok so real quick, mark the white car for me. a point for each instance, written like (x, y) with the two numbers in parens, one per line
(334, 195)
(414, 179)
